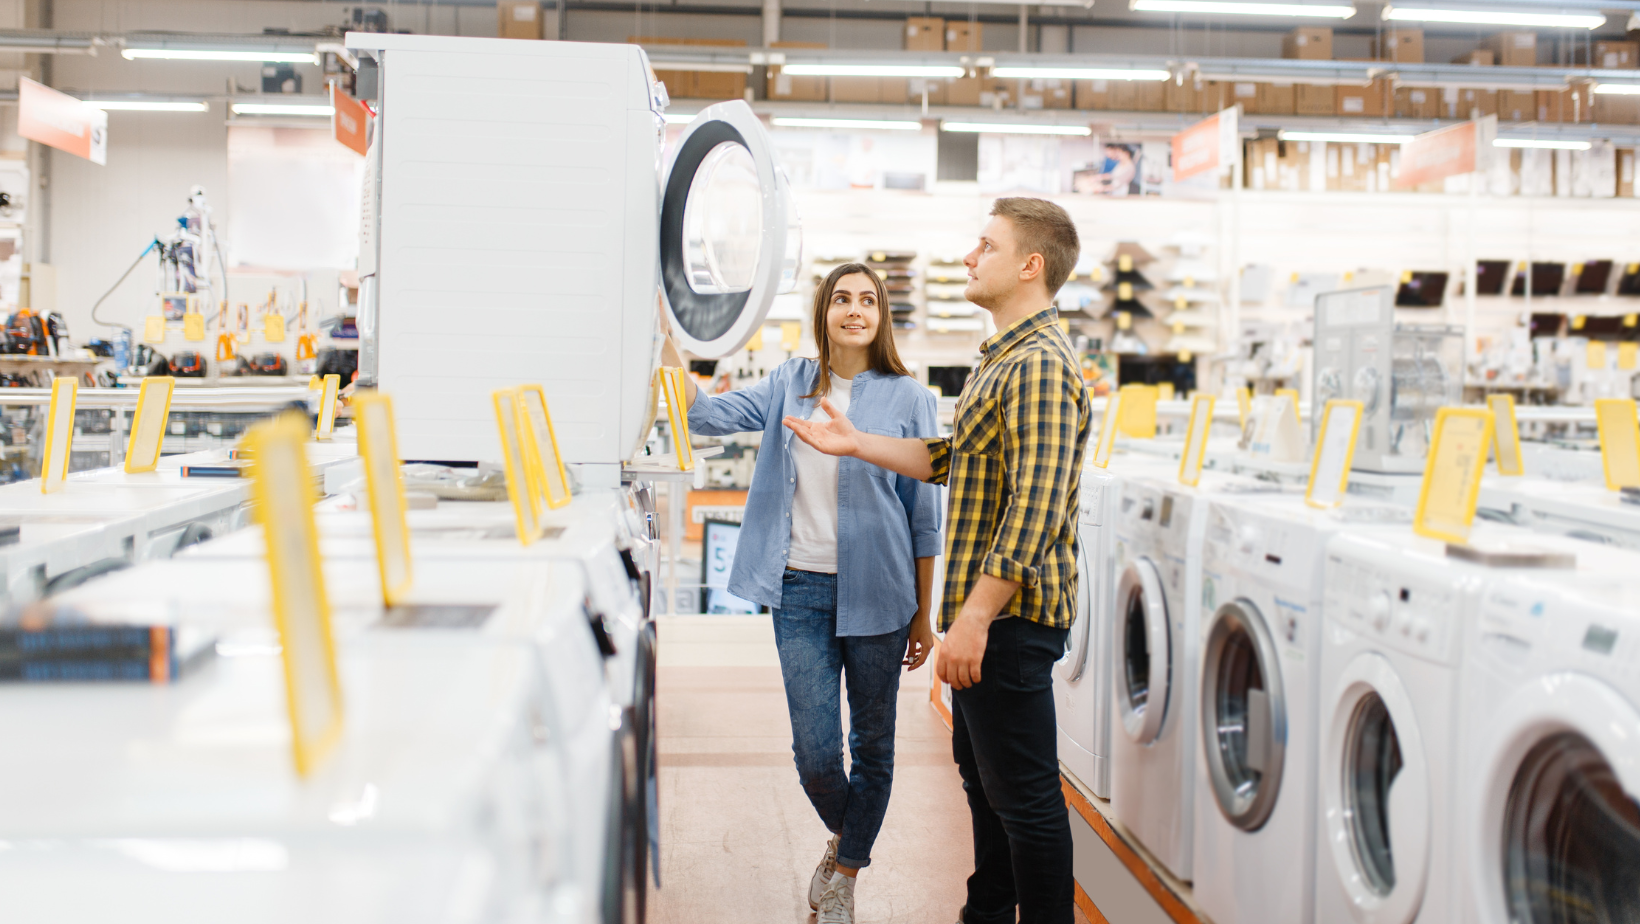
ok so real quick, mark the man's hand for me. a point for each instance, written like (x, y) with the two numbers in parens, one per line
(921, 642)
(835, 437)
(963, 650)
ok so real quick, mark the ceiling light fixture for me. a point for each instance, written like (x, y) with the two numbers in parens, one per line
(1081, 73)
(1310, 10)
(1630, 89)
(1542, 19)
(874, 70)
(133, 105)
(282, 109)
(1344, 137)
(210, 54)
(883, 124)
(1015, 128)
(1540, 143)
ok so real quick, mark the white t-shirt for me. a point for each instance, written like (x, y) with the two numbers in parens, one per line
(814, 503)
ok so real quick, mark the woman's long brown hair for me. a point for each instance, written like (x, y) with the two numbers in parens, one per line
(885, 358)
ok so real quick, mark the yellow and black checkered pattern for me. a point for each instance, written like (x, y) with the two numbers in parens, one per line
(1014, 465)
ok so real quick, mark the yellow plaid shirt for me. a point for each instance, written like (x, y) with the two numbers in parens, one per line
(1014, 465)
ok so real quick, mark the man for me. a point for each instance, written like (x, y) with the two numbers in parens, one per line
(1013, 463)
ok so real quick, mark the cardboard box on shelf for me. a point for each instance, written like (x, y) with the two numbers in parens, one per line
(1480, 57)
(1148, 95)
(1625, 173)
(1310, 43)
(933, 87)
(856, 89)
(1372, 100)
(1183, 96)
(894, 90)
(1552, 105)
(1092, 94)
(679, 84)
(1277, 99)
(999, 94)
(1516, 106)
(1053, 93)
(1310, 99)
(718, 85)
(1417, 103)
(1513, 49)
(1616, 109)
(520, 19)
(799, 89)
(1608, 55)
(1245, 92)
(963, 36)
(962, 91)
(1402, 45)
(1261, 155)
(1468, 103)
(924, 33)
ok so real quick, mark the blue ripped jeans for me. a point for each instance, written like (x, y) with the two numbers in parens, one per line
(813, 659)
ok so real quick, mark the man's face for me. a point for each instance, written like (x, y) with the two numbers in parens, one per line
(993, 268)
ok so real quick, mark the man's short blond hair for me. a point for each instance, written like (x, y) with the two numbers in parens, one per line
(1042, 227)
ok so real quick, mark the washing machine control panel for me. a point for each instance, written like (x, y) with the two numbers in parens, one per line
(1409, 612)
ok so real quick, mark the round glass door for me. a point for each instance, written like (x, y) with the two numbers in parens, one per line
(1245, 712)
(1571, 837)
(1075, 661)
(1372, 761)
(1147, 655)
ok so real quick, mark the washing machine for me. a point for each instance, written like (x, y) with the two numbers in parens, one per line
(1262, 599)
(1081, 679)
(1550, 721)
(1584, 510)
(1155, 624)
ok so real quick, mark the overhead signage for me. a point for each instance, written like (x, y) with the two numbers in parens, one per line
(61, 121)
(1453, 151)
(349, 120)
(1207, 148)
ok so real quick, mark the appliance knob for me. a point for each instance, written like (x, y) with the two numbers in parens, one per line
(1378, 610)
(1247, 539)
(1420, 629)
(1403, 622)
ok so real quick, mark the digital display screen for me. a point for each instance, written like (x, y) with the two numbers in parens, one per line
(1422, 290)
(1547, 279)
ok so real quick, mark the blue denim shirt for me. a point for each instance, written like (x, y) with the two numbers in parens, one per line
(884, 521)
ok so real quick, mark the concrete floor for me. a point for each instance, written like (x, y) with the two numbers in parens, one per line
(739, 839)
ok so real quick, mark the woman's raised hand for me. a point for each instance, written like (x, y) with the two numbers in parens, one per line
(834, 437)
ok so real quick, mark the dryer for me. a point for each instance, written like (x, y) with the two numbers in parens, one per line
(1081, 679)
(1550, 815)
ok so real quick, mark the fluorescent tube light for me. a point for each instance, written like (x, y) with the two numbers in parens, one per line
(281, 109)
(132, 105)
(1345, 137)
(1015, 128)
(1540, 143)
(198, 54)
(874, 70)
(1081, 73)
(1313, 10)
(1541, 19)
(1630, 89)
(884, 124)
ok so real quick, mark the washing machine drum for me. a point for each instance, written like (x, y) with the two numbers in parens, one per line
(1571, 837)
(1244, 715)
(1147, 651)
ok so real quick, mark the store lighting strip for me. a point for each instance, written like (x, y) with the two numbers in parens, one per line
(1628, 89)
(281, 109)
(874, 70)
(1540, 143)
(1080, 73)
(132, 105)
(1015, 128)
(1541, 19)
(1311, 10)
(1344, 137)
(206, 54)
(883, 124)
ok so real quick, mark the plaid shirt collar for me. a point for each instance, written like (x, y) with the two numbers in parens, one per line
(1004, 340)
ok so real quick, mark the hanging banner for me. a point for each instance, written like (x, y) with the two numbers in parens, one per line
(1208, 147)
(1436, 155)
(349, 120)
(61, 121)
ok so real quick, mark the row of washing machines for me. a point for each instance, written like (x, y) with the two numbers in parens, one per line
(1317, 715)
(497, 761)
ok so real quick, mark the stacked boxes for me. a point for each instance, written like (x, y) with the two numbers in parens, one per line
(962, 36)
(1403, 45)
(800, 89)
(1277, 99)
(1418, 103)
(924, 33)
(1309, 43)
(519, 19)
(1309, 99)
(1513, 49)
(1373, 100)
(1517, 105)
(713, 85)
(1480, 57)
(1468, 103)
(1608, 55)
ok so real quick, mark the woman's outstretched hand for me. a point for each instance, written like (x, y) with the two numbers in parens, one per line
(834, 437)
(921, 642)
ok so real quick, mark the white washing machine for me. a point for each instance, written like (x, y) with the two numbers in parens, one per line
(1550, 717)
(1155, 623)
(1262, 599)
(1081, 679)
(1582, 509)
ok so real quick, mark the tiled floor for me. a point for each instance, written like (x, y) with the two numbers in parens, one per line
(738, 837)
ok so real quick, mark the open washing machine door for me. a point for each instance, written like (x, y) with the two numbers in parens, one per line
(1147, 651)
(1375, 793)
(1244, 715)
(1558, 808)
(1075, 662)
(730, 237)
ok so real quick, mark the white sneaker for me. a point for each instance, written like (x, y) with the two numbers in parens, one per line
(822, 873)
(837, 904)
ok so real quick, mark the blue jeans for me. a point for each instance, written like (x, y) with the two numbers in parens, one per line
(812, 656)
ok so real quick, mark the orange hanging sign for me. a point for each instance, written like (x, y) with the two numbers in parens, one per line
(349, 120)
(61, 121)
(1434, 156)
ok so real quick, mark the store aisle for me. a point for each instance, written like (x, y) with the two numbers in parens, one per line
(738, 838)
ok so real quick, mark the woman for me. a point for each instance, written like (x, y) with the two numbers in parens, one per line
(842, 552)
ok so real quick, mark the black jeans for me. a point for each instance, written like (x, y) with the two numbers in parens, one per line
(1007, 751)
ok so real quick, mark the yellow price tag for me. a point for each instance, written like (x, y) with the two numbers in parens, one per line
(512, 455)
(153, 329)
(65, 391)
(1406, 275)
(1138, 418)
(1244, 404)
(1629, 320)
(1594, 357)
(1619, 441)
(283, 492)
(273, 327)
(1124, 291)
(1107, 430)
(1124, 320)
(541, 448)
(1578, 321)
(1195, 440)
(328, 388)
(677, 414)
(379, 447)
(1334, 454)
(755, 344)
(1627, 352)
(1164, 391)
(791, 333)
(1124, 263)
(1293, 394)
(1505, 435)
(193, 327)
(1452, 475)
(148, 423)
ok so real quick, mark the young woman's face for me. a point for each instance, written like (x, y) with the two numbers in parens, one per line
(853, 314)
